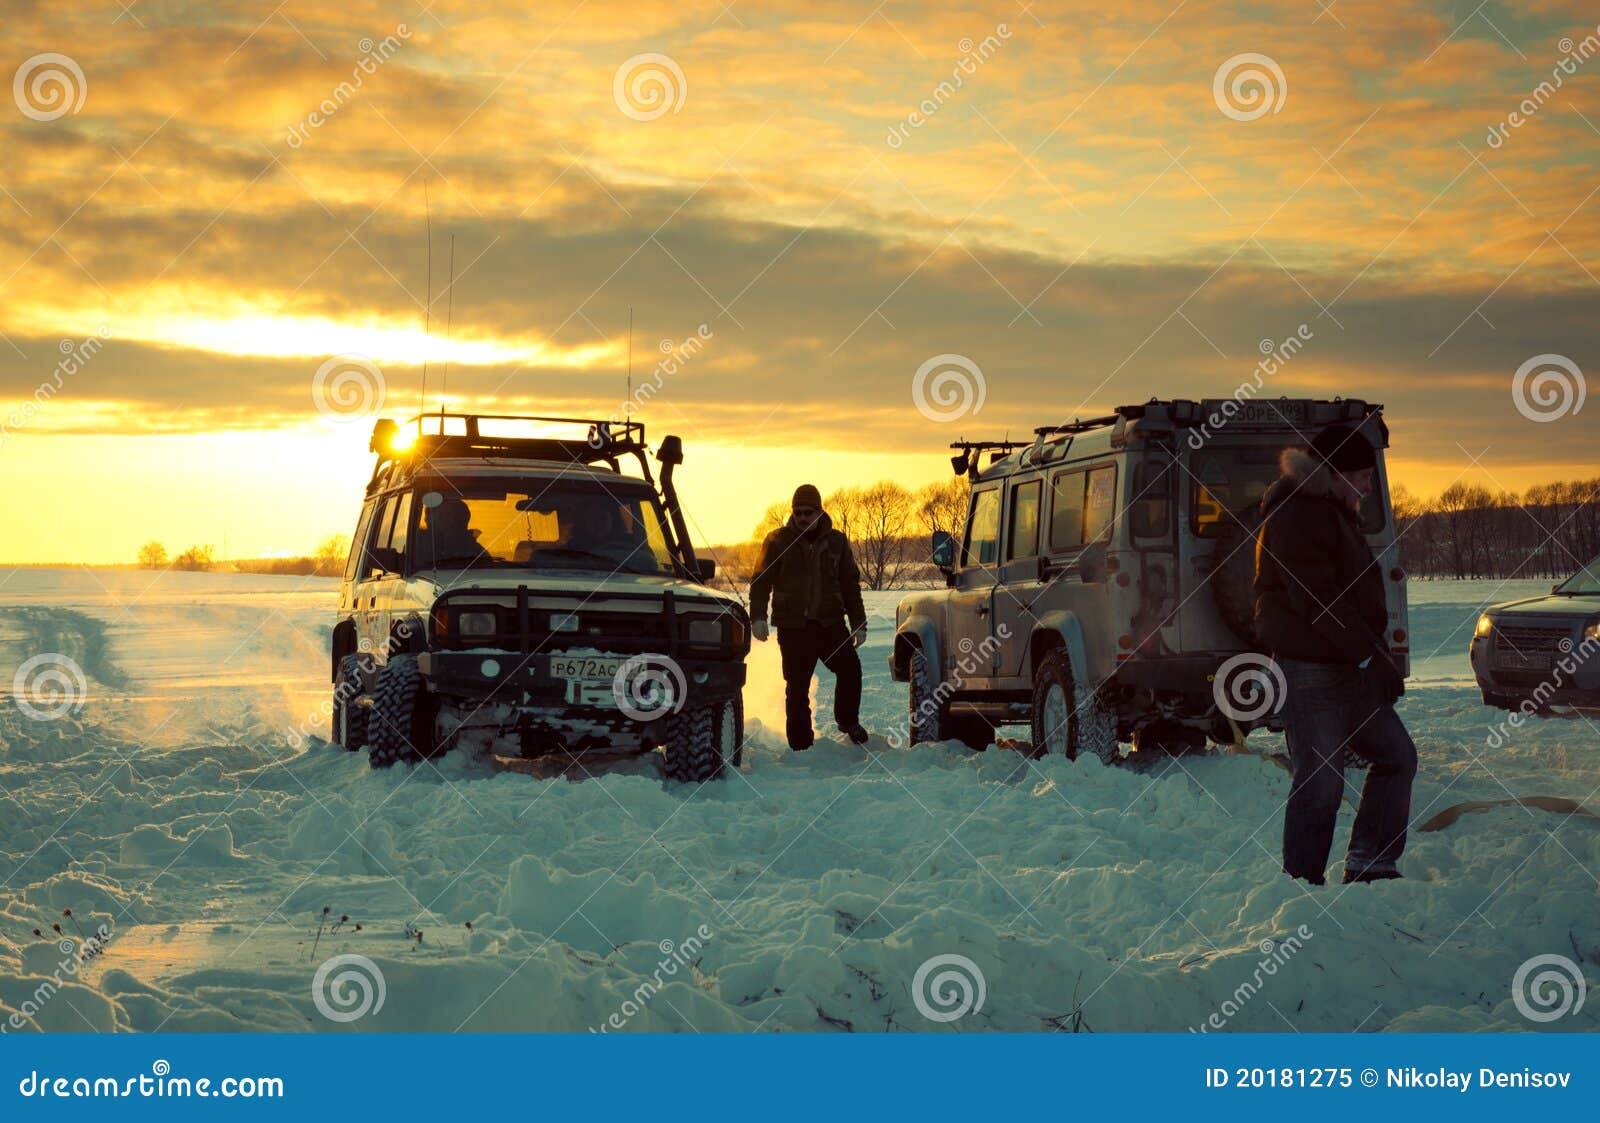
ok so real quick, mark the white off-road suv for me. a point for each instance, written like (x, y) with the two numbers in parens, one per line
(1101, 588)
(520, 593)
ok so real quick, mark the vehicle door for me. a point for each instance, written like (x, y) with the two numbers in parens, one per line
(968, 654)
(1019, 587)
(380, 576)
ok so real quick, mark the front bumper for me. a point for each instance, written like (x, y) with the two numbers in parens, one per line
(488, 677)
(1565, 671)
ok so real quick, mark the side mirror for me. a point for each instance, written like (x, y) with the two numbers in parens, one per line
(1092, 563)
(705, 568)
(386, 558)
(944, 549)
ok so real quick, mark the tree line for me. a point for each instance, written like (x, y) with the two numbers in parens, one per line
(1466, 531)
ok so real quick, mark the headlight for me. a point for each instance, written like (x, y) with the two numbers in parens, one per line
(1592, 631)
(1484, 624)
(564, 622)
(708, 632)
(475, 624)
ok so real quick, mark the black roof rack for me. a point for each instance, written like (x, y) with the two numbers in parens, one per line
(604, 441)
(1076, 426)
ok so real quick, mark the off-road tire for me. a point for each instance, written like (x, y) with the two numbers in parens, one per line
(1068, 715)
(930, 720)
(703, 742)
(1233, 570)
(351, 720)
(402, 726)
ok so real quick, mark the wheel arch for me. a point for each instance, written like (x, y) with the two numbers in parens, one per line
(342, 643)
(1057, 629)
(916, 634)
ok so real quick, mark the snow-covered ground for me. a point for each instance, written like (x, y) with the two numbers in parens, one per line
(804, 893)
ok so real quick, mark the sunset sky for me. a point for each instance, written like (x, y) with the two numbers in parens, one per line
(1096, 215)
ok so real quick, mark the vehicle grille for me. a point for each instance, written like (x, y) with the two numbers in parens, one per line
(1519, 645)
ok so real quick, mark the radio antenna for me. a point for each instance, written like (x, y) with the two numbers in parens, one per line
(427, 307)
(630, 352)
(449, 320)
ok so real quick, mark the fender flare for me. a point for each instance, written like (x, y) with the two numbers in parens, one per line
(408, 636)
(343, 643)
(1063, 625)
(917, 630)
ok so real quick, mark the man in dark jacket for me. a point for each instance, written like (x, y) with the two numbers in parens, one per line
(1321, 611)
(809, 574)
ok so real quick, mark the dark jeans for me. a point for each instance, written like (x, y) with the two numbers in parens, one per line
(1332, 707)
(801, 649)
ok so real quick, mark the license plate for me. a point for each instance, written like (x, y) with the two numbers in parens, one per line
(1517, 661)
(1264, 414)
(585, 668)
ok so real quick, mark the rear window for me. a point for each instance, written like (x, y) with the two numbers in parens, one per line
(1082, 502)
(1229, 482)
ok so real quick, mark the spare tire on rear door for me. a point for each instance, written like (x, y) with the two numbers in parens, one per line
(1233, 570)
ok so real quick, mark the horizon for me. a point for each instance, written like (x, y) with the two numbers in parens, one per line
(817, 243)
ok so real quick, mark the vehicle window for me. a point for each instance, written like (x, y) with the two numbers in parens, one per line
(1100, 503)
(1150, 505)
(399, 531)
(1025, 519)
(358, 542)
(983, 529)
(381, 524)
(1585, 582)
(1066, 511)
(1228, 482)
(542, 524)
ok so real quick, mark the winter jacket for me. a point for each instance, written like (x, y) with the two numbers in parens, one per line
(807, 577)
(1319, 593)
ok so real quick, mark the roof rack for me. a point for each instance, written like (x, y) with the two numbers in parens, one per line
(604, 441)
(1076, 426)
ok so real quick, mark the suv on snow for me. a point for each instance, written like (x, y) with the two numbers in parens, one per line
(522, 593)
(1539, 655)
(1101, 588)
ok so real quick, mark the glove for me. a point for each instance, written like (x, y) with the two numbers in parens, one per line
(758, 629)
(1386, 679)
(858, 634)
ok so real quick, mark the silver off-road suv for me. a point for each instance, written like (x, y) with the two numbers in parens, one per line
(521, 594)
(1101, 588)
(1541, 656)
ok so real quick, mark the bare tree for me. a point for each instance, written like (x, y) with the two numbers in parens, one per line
(881, 517)
(943, 506)
(152, 555)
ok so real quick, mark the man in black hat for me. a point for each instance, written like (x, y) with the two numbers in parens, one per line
(809, 574)
(1321, 611)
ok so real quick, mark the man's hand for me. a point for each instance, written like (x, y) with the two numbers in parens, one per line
(858, 634)
(758, 629)
(1386, 679)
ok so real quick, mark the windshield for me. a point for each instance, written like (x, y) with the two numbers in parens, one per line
(539, 524)
(1584, 583)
